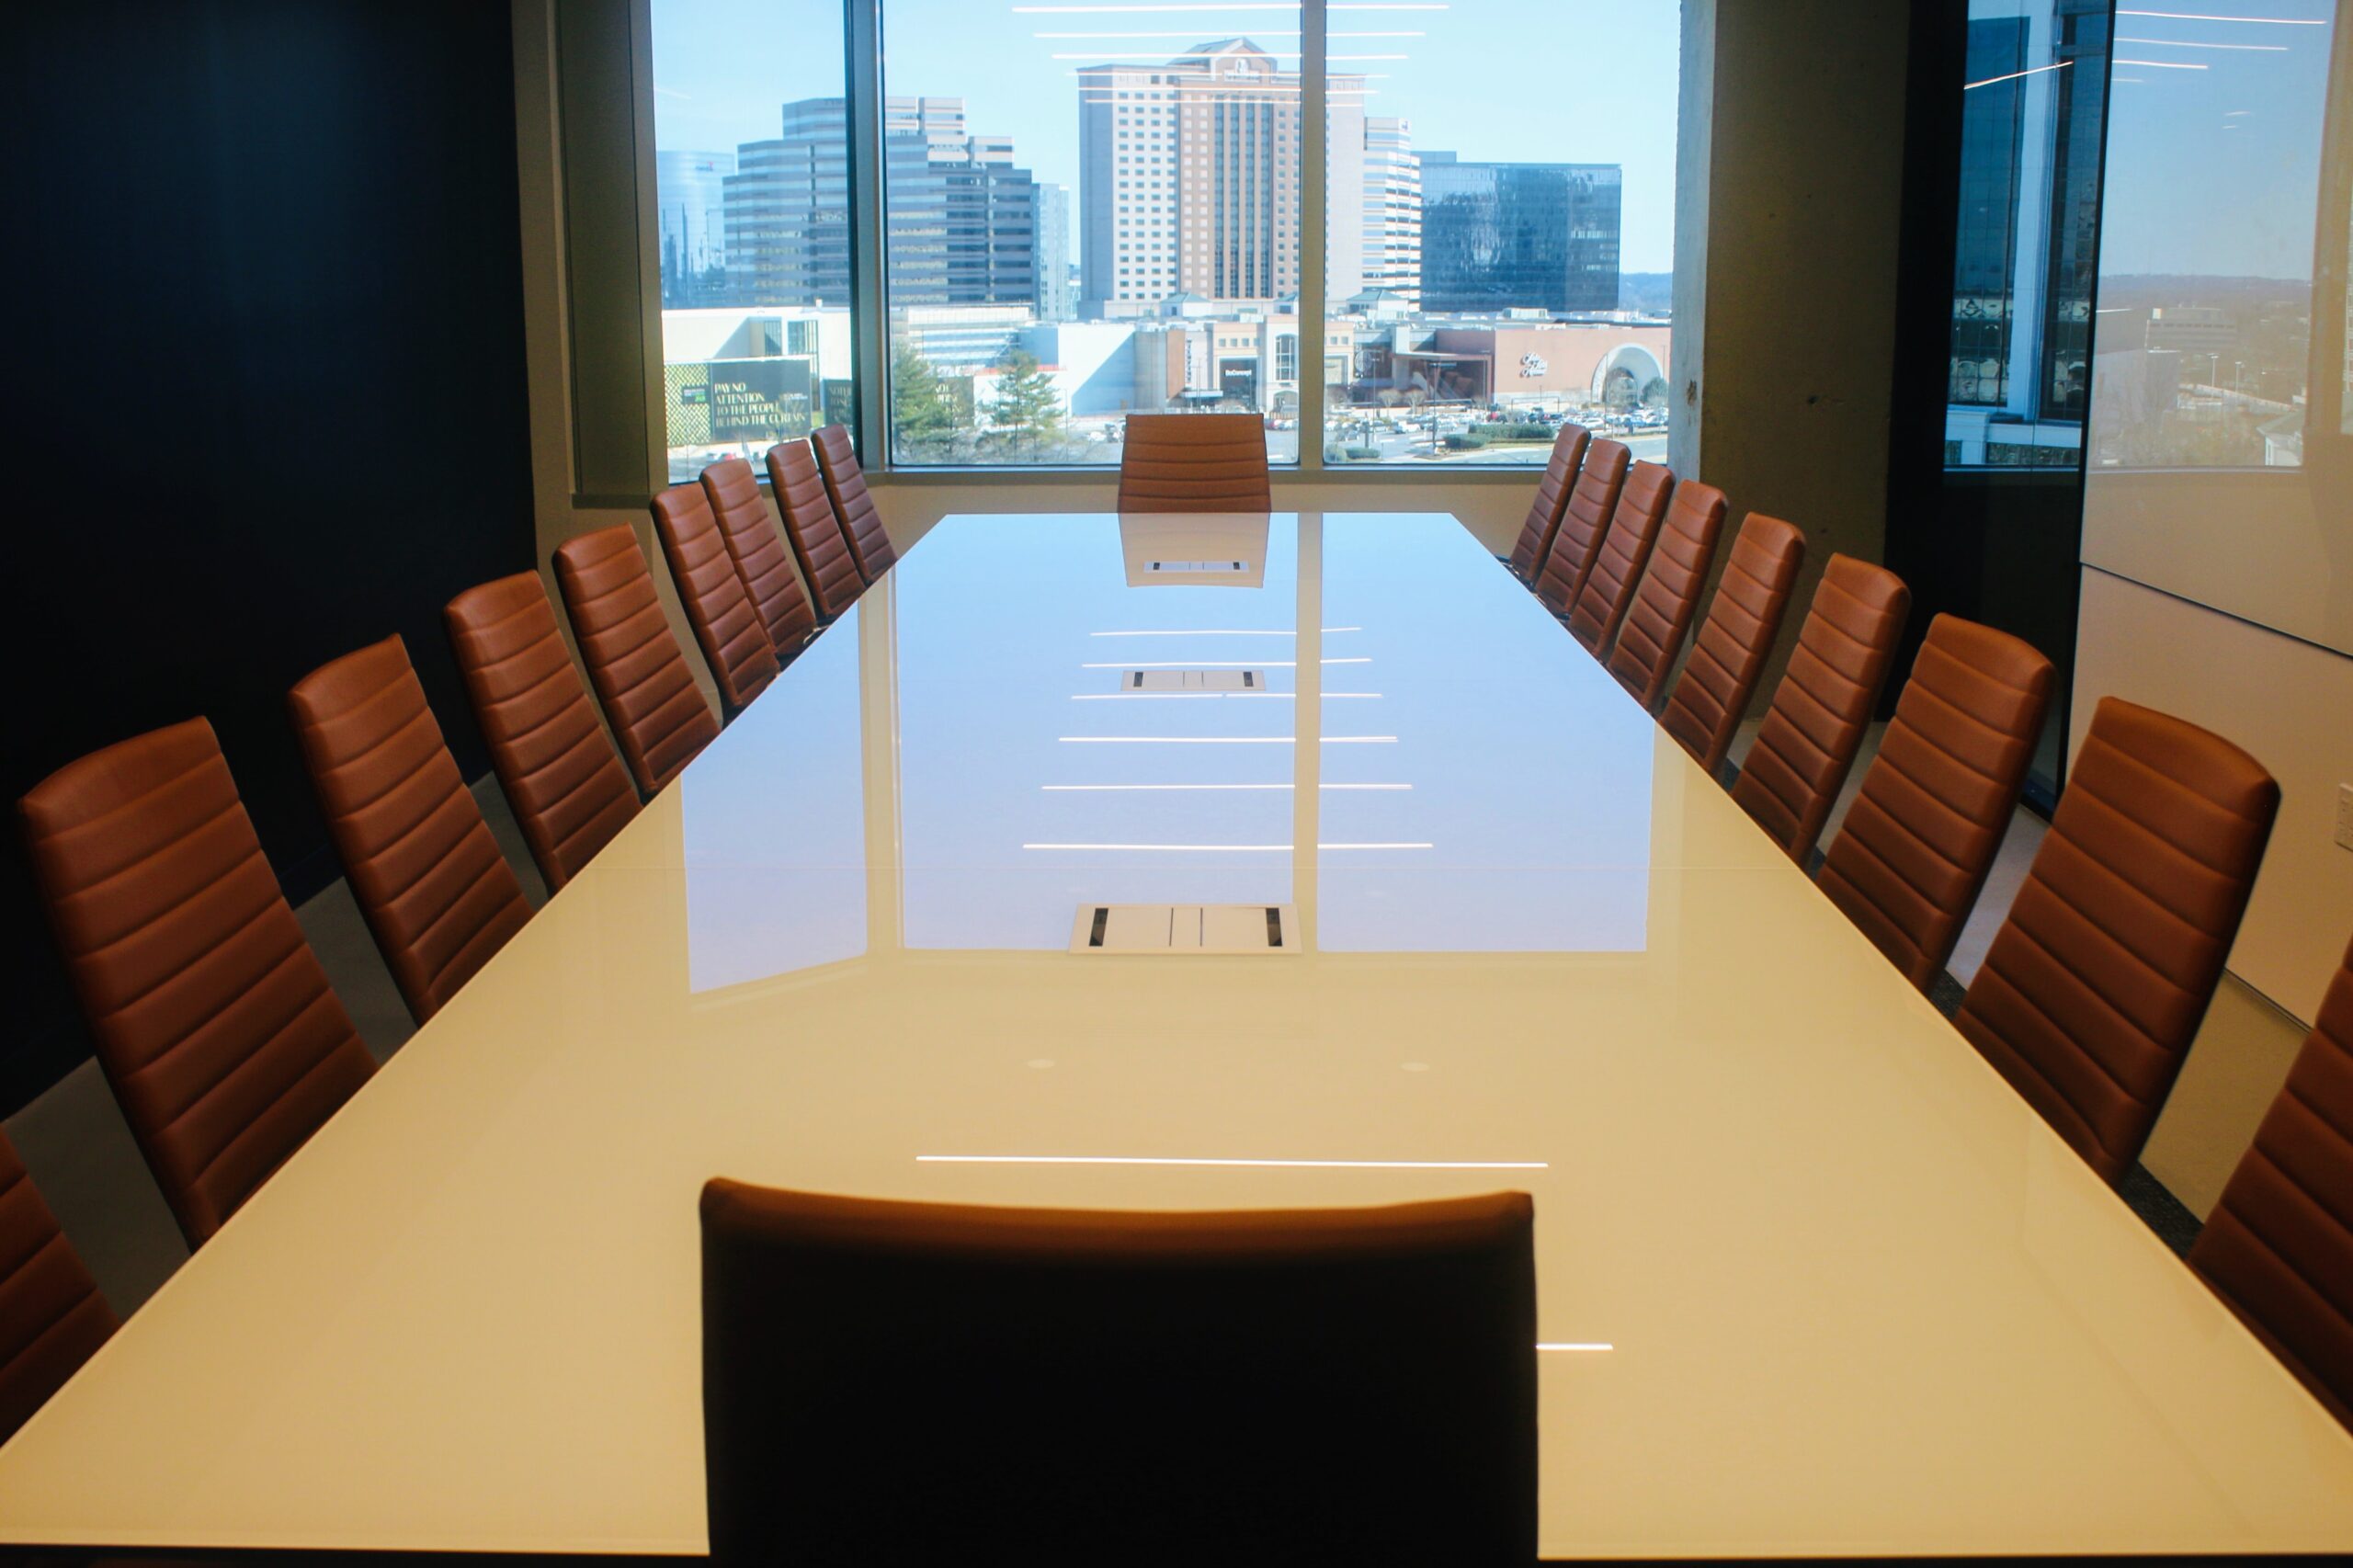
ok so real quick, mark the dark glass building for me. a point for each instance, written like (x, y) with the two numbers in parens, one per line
(1519, 237)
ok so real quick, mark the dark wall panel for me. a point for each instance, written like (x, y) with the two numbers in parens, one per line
(267, 394)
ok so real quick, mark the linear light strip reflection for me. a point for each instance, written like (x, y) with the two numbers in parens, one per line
(1587, 1345)
(1248, 1165)
(2034, 71)
(2185, 43)
(2167, 64)
(2199, 16)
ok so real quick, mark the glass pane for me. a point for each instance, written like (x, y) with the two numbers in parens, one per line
(1160, 156)
(1501, 234)
(752, 175)
(2033, 96)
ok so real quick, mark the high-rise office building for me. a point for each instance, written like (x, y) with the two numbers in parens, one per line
(1057, 300)
(690, 191)
(1190, 175)
(1519, 237)
(1392, 209)
(787, 210)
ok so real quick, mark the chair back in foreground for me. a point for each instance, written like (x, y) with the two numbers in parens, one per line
(425, 872)
(560, 777)
(1651, 632)
(1792, 775)
(2095, 984)
(51, 1316)
(1735, 641)
(215, 1025)
(1625, 550)
(727, 626)
(1543, 519)
(1056, 1386)
(2278, 1247)
(1583, 522)
(762, 562)
(845, 488)
(1916, 844)
(641, 677)
(819, 547)
(1194, 462)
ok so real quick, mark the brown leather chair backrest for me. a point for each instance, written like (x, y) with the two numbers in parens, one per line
(216, 1027)
(1735, 641)
(2094, 986)
(1027, 1385)
(1194, 463)
(2278, 1247)
(735, 644)
(1659, 616)
(1552, 496)
(51, 1316)
(845, 487)
(566, 786)
(422, 865)
(1792, 775)
(819, 546)
(1583, 522)
(762, 562)
(1916, 844)
(658, 717)
(1625, 550)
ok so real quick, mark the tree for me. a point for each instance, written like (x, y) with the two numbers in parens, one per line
(922, 408)
(1027, 408)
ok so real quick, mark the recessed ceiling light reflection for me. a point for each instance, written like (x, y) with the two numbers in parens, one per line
(1248, 1165)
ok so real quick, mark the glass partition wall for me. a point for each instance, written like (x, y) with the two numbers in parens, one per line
(1093, 210)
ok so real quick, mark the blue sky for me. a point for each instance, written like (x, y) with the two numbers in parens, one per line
(1541, 81)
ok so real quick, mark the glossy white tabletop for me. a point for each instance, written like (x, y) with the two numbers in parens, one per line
(1815, 1280)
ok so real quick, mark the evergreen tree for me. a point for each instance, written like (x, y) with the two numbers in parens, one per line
(922, 408)
(1027, 409)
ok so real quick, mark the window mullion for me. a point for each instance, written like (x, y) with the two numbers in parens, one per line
(1314, 123)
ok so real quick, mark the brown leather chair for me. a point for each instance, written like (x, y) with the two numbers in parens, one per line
(214, 1023)
(1583, 522)
(51, 1316)
(1058, 1387)
(658, 717)
(1551, 497)
(735, 644)
(565, 785)
(1792, 775)
(1608, 588)
(2094, 986)
(819, 546)
(425, 870)
(1659, 616)
(1728, 656)
(1914, 851)
(845, 488)
(2278, 1247)
(1194, 463)
(761, 560)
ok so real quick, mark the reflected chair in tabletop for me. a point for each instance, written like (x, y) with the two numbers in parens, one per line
(51, 1316)
(2278, 1247)
(762, 562)
(2095, 984)
(1729, 655)
(560, 774)
(1583, 522)
(1915, 849)
(1608, 587)
(1194, 462)
(214, 1023)
(1792, 774)
(845, 488)
(1352, 1385)
(437, 893)
(1543, 519)
(819, 546)
(726, 624)
(1651, 633)
(634, 662)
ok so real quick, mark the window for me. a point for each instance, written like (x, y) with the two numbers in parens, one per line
(1500, 228)
(752, 182)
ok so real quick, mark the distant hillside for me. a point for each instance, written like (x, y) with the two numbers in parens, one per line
(1646, 290)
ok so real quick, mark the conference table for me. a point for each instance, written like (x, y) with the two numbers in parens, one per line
(1204, 863)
